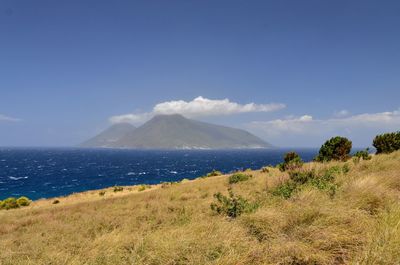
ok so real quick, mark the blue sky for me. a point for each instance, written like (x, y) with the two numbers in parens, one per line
(68, 67)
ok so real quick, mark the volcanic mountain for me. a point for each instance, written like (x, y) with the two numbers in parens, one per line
(177, 132)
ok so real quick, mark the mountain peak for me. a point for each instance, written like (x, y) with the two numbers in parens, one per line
(174, 131)
(169, 116)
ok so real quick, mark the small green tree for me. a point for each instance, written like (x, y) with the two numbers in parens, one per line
(387, 142)
(232, 206)
(336, 148)
(364, 154)
(291, 161)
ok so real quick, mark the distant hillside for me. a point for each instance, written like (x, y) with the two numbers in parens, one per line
(110, 136)
(178, 132)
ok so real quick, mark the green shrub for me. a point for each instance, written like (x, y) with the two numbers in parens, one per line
(102, 193)
(118, 188)
(336, 148)
(9, 203)
(238, 177)
(213, 173)
(298, 179)
(143, 187)
(23, 201)
(165, 185)
(345, 168)
(301, 177)
(285, 190)
(291, 161)
(326, 180)
(232, 206)
(56, 202)
(264, 170)
(364, 154)
(387, 142)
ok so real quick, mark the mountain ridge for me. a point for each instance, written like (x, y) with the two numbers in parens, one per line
(109, 136)
(175, 131)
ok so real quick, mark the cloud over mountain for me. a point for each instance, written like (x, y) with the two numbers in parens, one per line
(198, 107)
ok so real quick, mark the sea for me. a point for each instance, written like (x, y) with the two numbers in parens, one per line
(53, 172)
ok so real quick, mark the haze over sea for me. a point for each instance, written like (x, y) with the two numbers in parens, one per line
(51, 172)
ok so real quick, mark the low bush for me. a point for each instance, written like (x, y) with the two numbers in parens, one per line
(118, 188)
(213, 173)
(285, 190)
(165, 185)
(231, 206)
(345, 168)
(364, 154)
(238, 177)
(23, 201)
(264, 170)
(102, 193)
(9, 203)
(298, 179)
(302, 177)
(336, 148)
(143, 187)
(292, 161)
(12, 203)
(387, 142)
(56, 202)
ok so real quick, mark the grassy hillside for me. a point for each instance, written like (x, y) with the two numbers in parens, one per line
(352, 218)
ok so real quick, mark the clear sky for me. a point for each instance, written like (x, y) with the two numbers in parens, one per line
(313, 69)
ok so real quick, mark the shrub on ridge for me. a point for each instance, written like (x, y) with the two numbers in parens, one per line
(238, 177)
(364, 154)
(9, 203)
(387, 142)
(291, 161)
(336, 148)
(232, 205)
(118, 188)
(12, 203)
(23, 201)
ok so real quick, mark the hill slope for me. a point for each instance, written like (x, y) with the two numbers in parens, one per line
(178, 132)
(173, 224)
(110, 136)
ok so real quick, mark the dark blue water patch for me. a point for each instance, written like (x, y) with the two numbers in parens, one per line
(51, 172)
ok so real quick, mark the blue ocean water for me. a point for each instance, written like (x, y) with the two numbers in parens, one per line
(51, 172)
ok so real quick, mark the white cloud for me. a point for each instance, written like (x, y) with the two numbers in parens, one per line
(306, 130)
(7, 118)
(130, 118)
(342, 113)
(198, 107)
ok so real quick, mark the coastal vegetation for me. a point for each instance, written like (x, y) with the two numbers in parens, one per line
(238, 177)
(336, 211)
(12, 203)
(387, 142)
(291, 161)
(336, 148)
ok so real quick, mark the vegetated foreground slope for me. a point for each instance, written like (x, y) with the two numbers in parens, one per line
(350, 215)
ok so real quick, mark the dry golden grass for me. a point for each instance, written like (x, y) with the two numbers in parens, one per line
(174, 224)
